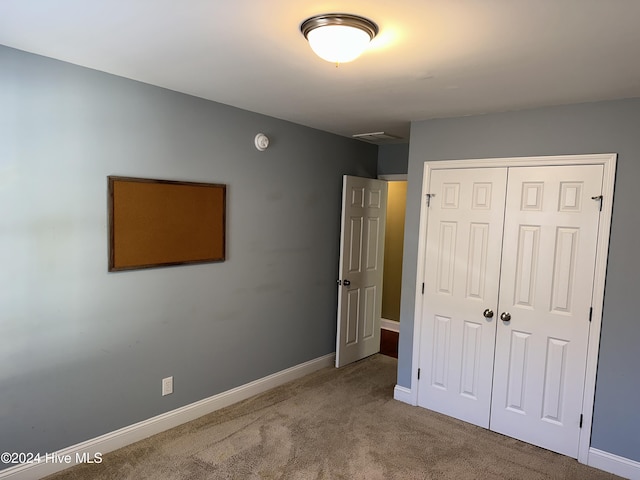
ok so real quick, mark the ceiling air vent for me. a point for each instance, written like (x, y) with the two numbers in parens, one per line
(376, 137)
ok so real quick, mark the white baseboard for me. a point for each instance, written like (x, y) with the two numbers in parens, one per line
(390, 325)
(58, 461)
(403, 394)
(614, 464)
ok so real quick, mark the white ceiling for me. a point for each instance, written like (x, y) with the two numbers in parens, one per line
(432, 58)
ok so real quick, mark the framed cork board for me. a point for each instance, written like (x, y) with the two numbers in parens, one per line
(157, 223)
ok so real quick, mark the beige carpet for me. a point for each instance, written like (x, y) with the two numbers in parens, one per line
(333, 424)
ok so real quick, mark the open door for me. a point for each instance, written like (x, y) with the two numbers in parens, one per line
(364, 204)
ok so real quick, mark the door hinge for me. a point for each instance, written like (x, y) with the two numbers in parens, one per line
(418, 374)
(590, 313)
(429, 195)
(598, 198)
(422, 288)
(581, 416)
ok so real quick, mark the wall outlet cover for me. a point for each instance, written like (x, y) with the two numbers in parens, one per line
(167, 386)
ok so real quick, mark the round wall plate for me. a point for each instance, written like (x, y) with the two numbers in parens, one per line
(262, 142)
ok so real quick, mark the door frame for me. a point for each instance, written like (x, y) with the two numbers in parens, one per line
(608, 161)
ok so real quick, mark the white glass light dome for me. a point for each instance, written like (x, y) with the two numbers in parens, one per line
(338, 38)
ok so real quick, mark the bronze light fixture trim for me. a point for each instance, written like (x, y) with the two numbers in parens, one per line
(338, 37)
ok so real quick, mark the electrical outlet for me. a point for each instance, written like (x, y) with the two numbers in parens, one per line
(167, 386)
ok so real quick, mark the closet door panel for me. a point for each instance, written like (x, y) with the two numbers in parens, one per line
(462, 265)
(548, 261)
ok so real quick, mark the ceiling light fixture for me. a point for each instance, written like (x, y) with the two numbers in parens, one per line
(338, 37)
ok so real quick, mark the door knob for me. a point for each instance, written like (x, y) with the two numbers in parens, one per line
(488, 313)
(346, 282)
(505, 316)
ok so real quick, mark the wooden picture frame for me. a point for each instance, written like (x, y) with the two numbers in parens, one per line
(159, 223)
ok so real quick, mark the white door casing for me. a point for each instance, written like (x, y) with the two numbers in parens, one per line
(607, 163)
(546, 284)
(364, 202)
(463, 247)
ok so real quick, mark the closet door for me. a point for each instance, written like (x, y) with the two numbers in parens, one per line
(550, 237)
(462, 266)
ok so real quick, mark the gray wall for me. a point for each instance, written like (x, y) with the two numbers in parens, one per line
(603, 127)
(83, 351)
(393, 158)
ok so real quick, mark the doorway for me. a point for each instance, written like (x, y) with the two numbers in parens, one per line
(392, 275)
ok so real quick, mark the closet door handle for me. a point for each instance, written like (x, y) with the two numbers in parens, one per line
(505, 316)
(488, 313)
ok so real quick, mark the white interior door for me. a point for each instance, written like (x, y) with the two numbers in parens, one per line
(462, 261)
(532, 252)
(550, 238)
(364, 203)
